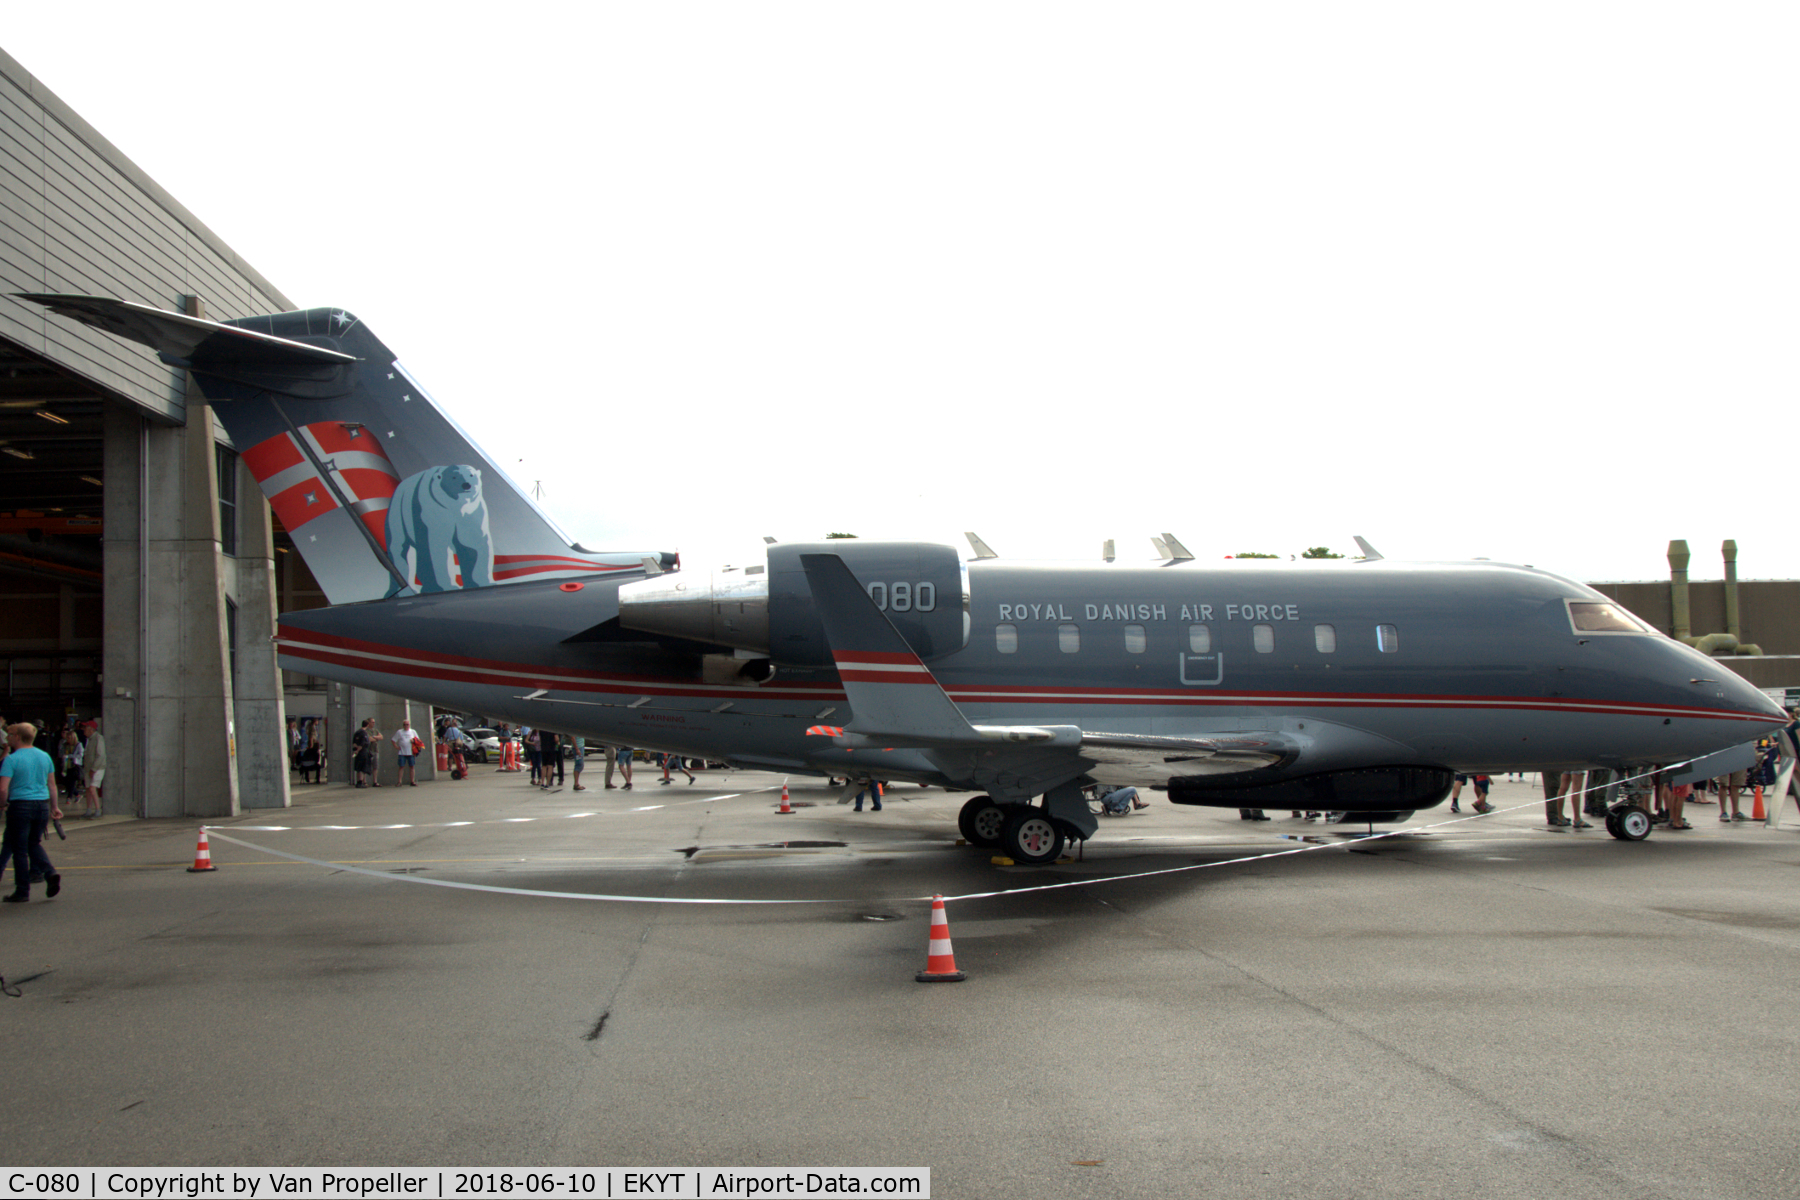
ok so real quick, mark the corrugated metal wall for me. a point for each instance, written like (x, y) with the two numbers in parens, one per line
(77, 216)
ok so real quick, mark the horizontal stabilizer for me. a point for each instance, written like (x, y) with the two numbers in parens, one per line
(190, 341)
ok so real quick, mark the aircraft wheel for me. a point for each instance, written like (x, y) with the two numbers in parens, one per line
(1612, 822)
(1031, 836)
(981, 821)
(1630, 824)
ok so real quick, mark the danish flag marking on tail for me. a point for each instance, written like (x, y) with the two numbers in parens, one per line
(299, 493)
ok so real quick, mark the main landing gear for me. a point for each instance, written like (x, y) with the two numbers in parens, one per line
(1024, 833)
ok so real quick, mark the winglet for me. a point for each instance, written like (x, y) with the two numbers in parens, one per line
(981, 548)
(1370, 553)
(1177, 551)
(891, 690)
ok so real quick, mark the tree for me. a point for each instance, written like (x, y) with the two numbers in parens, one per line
(1253, 554)
(1320, 552)
(829, 536)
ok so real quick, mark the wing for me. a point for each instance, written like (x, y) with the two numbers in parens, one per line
(898, 703)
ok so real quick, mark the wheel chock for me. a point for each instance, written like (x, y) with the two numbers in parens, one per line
(1000, 860)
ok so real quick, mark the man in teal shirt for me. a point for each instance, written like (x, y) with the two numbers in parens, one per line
(29, 803)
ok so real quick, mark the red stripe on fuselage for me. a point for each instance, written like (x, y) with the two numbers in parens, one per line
(343, 651)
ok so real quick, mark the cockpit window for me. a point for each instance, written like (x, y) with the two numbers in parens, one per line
(1596, 616)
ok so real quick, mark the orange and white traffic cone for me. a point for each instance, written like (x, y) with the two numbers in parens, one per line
(1756, 811)
(940, 962)
(509, 755)
(785, 810)
(202, 855)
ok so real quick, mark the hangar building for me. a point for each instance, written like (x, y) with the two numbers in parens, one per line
(140, 567)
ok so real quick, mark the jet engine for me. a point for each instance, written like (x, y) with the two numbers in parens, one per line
(767, 608)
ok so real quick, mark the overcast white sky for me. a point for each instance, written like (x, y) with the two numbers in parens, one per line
(1507, 280)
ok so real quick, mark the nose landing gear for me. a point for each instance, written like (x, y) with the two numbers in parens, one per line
(1628, 823)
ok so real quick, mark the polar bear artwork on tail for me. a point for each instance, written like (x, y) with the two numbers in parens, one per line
(434, 514)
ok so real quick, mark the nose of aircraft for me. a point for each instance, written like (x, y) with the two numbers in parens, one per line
(1715, 685)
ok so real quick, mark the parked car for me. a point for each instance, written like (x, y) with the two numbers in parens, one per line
(483, 744)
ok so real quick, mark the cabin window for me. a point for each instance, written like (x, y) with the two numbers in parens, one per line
(1262, 638)
(1068, 638)
(1134, 639)
(1006, 639)
(1597, 617)
(1325, 638)
(1199, 639)
(1387, 639)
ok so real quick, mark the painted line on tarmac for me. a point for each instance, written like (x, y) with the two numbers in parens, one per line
(1348, 843)
(495, 821)
(390, 877)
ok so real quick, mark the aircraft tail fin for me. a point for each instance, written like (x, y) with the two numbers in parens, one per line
(380, 490)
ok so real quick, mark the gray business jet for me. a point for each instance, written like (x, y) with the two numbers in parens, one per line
(1356, 687)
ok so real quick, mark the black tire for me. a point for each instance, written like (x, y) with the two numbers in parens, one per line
(981, 821)
(1612, 823)
(1629, 824)
(1031, 836)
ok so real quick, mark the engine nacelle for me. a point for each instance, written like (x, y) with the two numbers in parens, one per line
(768, 608)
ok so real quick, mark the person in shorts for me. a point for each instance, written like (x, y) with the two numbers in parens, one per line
(407, 745)
(93, 766)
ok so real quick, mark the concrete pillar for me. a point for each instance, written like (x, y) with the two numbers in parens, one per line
(192, 729)
(167, 712)
(341, 721)
(1678, 590)
(123, 633)
(257, 700)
